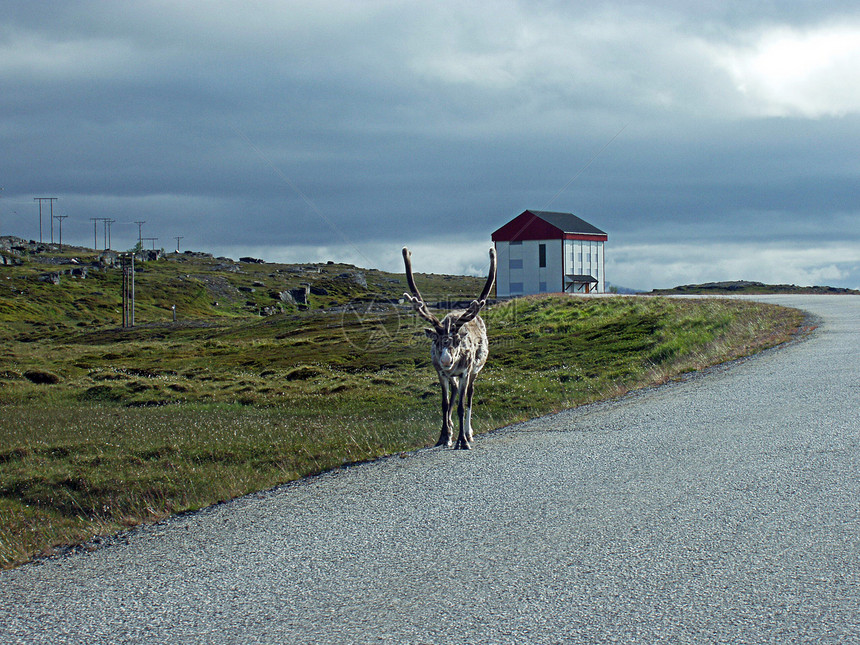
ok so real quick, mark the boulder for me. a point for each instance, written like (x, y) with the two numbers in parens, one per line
(107, 259)
(355, 277)
(300, 294)
(284, 296)
(50, 278)
(148, 255)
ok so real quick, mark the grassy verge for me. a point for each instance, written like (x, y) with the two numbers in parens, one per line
(103, 428)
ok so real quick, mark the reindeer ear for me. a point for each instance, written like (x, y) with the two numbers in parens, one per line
(431, 334)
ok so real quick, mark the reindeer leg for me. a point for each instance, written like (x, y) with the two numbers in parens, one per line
(465, 431)
(455, 387)
(447, 402)
(470, 389)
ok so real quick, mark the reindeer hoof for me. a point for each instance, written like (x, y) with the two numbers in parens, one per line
(443, 442)
(463, 445)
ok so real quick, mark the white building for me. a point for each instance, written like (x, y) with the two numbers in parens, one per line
(546, 252)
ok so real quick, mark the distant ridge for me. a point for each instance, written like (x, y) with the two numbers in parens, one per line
(744, 286)
(615, 288)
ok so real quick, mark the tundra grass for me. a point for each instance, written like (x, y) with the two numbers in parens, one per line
(104, 428)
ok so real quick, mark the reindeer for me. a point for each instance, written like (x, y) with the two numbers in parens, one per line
(459, 351)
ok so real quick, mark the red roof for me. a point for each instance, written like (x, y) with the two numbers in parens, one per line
(545, 225)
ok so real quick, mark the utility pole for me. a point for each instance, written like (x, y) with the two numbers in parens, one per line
(61, 218)
(140, 232)
(108, 222)
(51, 200)
(178, 237)
(95, 234)
(151, 239)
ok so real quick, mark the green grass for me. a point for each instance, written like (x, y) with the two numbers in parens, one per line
(104, 428)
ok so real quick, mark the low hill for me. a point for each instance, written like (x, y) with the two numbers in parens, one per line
(745, 287)
(46, 287)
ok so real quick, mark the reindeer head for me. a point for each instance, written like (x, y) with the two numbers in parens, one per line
(448, 333)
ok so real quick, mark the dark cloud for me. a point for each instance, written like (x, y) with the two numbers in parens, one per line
(341, 128)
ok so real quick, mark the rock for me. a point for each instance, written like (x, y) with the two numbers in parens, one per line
(357, 278)
(148, 255)
(249, 260)
(284, 296)
(319, 291)
(300, 294)
(107, 259)
(232, 268)
(51, 278)
(247, 289)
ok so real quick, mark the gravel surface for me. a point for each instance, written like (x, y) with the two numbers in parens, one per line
(723, 508)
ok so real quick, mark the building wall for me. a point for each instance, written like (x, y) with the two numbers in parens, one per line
(519, 271)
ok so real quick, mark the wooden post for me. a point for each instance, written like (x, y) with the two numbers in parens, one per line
(127, 289)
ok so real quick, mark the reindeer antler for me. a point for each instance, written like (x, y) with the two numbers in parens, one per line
(476, 305)
(416, 299)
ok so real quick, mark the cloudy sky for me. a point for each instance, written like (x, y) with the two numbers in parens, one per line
(711, 140)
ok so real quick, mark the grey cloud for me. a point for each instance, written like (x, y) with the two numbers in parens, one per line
(309, 125)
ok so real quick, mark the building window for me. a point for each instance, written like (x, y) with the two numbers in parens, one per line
(542, 256)
(516, 287)
(515, 264)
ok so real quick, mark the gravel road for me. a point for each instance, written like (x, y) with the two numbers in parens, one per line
(724, 508)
